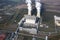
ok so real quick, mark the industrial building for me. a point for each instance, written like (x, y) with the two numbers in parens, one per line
(30, 25)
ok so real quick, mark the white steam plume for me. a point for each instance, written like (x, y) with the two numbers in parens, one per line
(46, 38)
(33, 38)
(38, 7)
(29, 6)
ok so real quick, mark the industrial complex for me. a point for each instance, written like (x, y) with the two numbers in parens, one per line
(28, 27)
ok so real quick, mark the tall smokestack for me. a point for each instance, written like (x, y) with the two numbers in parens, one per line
(29, 6)
(38, 7)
